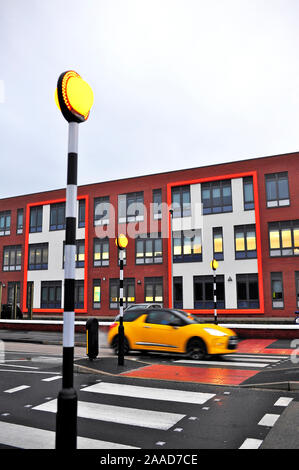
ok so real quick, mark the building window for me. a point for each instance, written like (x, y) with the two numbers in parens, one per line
(81, 213)
(248, 193)
(277, 290)
(218, 243)
(12, 258)
(130, 207)
(204, 292)
(5, 219)
(247, 291)
(245, 241)
(79, 254)
(277, 189)
(96, 294)
(20, 221)
(216, 197)
(297, 287)
(36, 219)
(181, 201)
(178, 292)
(101, 210)
(79, 294)
(148, 250)
(128, 292)
(30, 294)
(284, 238)
(57, 216)
(51, 294)
(13, 288)
(101, 252)
(38, 256)
(153, 289)
(157, 203)
(187, 246)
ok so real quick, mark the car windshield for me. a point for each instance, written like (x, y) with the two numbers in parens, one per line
(130, 315)
(189, 315)
(138, 306)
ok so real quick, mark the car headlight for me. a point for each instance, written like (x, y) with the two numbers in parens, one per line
(215, 332)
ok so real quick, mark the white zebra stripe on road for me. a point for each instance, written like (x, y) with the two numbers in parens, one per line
(150, 393)
(25, 437)
(120, 415)
(223, 363)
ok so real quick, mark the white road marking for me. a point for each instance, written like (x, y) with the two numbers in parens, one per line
(251, 444)
(262, 356)
(19, 367)
(17, 389)
(28, 371)
(223, 363)
(269, 419)
(259, 359)
(119, 414)
(47, 359)
(150, 393)
(49, 379)
(283, 401)
(26, 437)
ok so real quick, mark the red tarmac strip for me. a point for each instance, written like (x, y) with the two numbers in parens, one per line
(217, 376)
(260, 346)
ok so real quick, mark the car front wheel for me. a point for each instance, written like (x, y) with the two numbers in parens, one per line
(115, 345)
(196, 349)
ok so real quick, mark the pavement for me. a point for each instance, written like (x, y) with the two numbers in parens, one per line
(283, 435)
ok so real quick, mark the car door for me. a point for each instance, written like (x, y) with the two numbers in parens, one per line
(157, 333)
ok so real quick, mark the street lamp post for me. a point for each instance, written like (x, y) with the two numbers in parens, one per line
(121, 243)
(74, 98)
(214, 266)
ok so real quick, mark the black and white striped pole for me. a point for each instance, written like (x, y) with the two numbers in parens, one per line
(74, 98)
(121, 242)
(214, 266)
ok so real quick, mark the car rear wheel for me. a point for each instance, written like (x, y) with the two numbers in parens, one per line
(196, 349)
(115, 345)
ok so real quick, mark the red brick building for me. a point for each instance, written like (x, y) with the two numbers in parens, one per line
(245, 214)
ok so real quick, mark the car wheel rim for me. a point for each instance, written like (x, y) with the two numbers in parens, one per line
(196, 351)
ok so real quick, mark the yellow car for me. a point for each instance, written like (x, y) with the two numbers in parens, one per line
(171, 331)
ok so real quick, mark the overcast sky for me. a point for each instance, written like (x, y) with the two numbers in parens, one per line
(177, 84)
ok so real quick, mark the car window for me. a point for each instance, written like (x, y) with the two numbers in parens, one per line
(160, 317)
(130, 315)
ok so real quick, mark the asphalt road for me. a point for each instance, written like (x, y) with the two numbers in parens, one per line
(131, 408)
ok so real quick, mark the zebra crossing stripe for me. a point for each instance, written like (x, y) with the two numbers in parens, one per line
(198, 398)
(25, 437)
(121, 415)
(223, 363)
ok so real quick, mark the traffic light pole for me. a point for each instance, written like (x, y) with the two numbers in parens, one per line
(66, 418)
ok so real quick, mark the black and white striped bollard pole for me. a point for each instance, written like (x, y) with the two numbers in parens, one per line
(121, 243)
(214, 265)
(74, 98)
(66, 430)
